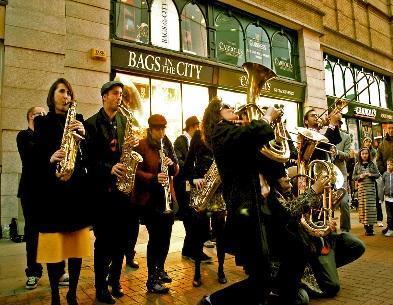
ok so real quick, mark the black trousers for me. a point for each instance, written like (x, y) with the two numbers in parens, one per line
(133, 232)
(159, 227)
(389, 214)
(31, 237)
(112, 230)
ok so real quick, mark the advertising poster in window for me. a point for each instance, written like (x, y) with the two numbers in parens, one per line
(353, 132)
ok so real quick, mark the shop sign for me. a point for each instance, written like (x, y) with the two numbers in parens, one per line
(230, 49)
(365, 112)
(152, 63)
(276, 88)
(283, 66)
(258, 51)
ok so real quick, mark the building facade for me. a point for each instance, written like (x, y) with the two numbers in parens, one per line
(180, 53)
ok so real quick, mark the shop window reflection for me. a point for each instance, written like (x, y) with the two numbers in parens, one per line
(229, 40)
(194, 34)
(166, 100)
(258, 45)
(132, 20)
(282, 55)
(141, 112)
(165, 25)
(194, 101)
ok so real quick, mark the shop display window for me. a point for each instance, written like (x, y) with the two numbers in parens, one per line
(194, 101)
(166, 100)
(229, 40)
(258, 45)
(165, 25)
(282, 55)
(132, 20)
(193, 28)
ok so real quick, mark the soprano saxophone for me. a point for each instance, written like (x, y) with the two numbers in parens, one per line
(166, 185)
(68, 144)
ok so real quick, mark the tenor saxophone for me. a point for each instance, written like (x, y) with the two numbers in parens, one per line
(68, 144)
(129, 157)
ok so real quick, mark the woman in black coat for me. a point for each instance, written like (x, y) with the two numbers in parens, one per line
(198, 161)
(63, 224)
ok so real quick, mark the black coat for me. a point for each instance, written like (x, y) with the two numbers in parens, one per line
(25, 143)
(64, 206)
(235, 150)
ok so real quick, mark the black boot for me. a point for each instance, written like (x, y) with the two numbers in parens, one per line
(71, 298)
(154, 284)
(104, 296)
(197, 282)
(55, 299)
(221, 275)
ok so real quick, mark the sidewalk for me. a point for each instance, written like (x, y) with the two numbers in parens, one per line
(367, 281)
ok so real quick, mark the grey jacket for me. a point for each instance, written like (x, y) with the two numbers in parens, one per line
(387, 179)
(343, 150)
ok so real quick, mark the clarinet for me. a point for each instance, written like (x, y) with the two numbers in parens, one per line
(166, 185)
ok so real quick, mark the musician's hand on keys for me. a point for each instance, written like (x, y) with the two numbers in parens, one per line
(77, 127)
(65, 176)
(335, 118)
(272, 114)
(162, 178)
(199, 183)
(119, 170)
(134, 141)
(332, 225)
(57, 156)
(320, 184)
(168, 161)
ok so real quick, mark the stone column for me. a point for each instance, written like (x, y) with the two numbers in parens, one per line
(312, 69)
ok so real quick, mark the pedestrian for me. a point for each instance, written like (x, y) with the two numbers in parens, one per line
(387, 183)
(26, 190)
(63, 216)
(365, 173)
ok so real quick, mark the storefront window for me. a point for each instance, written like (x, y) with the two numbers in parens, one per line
(382, 93)
(140, 111)
(194, 101)
(132, 20)
(193, 28)
(229, 40)
(350, 93)
(338, 81)
(166, 100)
(165, 25)
(282, 55)
(233, 99)
(258, 46)
(329, 85)
(374, 92)
(362, 85)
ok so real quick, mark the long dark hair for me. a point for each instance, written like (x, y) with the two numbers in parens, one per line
(360, 155)
(50, 100)
(210, 119)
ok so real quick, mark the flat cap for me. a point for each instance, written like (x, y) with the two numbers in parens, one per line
(157, 120)
(108, 86)
(191, 121)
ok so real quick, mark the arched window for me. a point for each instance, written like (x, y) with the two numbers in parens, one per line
(229, 40)
(348, 76)
(362, 88)
(258, 45)
(329, 85)
(382, 92)
(193, 30)
(132, 20)
(374, 91)
(282, 55)
(165, 25)
(338, 80)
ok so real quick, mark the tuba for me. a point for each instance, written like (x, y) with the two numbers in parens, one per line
(278, 148)
(129, 157)
(68, 144)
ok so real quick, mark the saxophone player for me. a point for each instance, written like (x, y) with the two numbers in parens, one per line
(114, 214)
(63, 213)
(157, 153)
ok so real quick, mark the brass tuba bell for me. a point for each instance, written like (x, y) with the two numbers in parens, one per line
(258, 75)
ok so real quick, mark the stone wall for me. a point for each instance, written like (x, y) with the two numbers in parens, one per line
(45, 40)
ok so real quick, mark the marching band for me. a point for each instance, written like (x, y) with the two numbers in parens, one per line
(233, 170)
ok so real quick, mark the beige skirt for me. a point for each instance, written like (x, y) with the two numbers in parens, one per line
(56, 247)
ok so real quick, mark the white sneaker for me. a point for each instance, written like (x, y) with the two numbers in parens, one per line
(32, 282)
(64, 280)
(389, 233)
(380, 224)
(209, 244)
